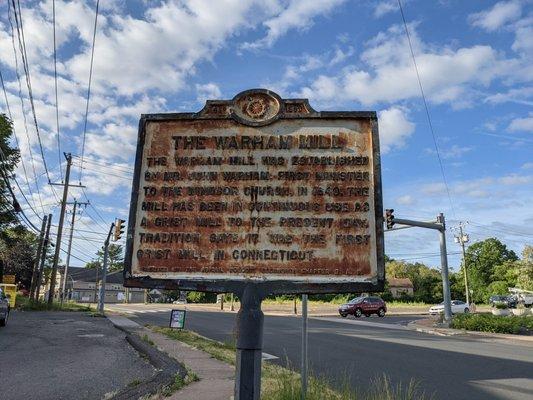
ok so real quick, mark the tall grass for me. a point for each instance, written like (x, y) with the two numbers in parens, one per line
(25, 304)
(279, 383)
(283, 384)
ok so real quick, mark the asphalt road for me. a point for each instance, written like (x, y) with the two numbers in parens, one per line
(459, 367)
(62, 355)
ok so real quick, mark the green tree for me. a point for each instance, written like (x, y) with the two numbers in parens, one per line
(524, 275)
(9, 157)
(115, 261)
(482, 258)
(18, 247)
(15, 241)
(427, 284)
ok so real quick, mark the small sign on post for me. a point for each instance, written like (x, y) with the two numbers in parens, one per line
(177, 319)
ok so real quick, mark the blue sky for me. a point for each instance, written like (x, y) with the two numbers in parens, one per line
(476, 66)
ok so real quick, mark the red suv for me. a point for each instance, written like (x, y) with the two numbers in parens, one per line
(365, 305)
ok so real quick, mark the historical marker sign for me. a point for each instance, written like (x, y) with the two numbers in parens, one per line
(259, 189)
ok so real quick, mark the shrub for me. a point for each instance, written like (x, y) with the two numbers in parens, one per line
(494, 323)
(200, 297)
(501, 306)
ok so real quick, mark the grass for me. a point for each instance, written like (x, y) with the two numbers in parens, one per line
(279, 383)
(179, 383)
(25, 304)
(494, 323)
(146, 339)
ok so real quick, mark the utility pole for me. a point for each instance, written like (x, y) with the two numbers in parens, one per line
(303, 369)
(43, 257)
(65, 273)
(104, 272)
(462, 239)
(35, 273)
(439, 225)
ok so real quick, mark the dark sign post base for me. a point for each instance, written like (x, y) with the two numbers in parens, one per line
(249, 344)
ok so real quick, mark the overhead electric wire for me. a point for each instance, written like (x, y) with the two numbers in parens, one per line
(15, 212)
(107, 165)
(23, 108)
(55, 85)
(22, 46)
(88, 90)
(427, 109)
(16, 139)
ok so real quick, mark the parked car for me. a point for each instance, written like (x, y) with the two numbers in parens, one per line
(364, 305)
(509, 301)
(4, 308)
(458, 307)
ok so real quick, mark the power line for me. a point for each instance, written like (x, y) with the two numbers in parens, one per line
(23, 108)
(24, 55)
(89, 90)
(107, 165)
(16, 139)
(55, 85)
(427, 109)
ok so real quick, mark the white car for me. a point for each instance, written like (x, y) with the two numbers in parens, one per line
(458, 307)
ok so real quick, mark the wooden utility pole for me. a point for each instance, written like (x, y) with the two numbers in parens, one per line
(35, 274)
(65, 273)
(43, 257)
(60, 230)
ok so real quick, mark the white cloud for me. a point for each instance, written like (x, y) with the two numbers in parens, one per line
(385, 7)
(394, 128)
(455, 151)
(500, 14)
(511, 180)
(405, 200)
(521, 124)
(298, 14)
(207, 91)
(447, 75)
(521, 95)
(528, 165)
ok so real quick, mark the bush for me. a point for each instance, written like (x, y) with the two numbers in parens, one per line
(201, 297)
(494, 323)
(501, 306)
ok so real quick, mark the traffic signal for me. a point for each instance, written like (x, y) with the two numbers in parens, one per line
(119, 229)
(389, 216)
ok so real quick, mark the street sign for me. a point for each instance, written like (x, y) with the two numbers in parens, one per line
(8, 279)
(257, 189)
(177, 319)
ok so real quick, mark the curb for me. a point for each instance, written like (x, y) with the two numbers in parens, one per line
(166, 367)
(456, 332)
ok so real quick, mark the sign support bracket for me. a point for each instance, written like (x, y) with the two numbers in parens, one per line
(249, 343)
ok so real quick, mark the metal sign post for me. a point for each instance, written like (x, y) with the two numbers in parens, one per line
(303, 369)
(256, 196)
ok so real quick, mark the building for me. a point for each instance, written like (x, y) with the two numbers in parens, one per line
(400, 287)
(83, 286)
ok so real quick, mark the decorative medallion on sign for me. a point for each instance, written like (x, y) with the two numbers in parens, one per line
(256, 107)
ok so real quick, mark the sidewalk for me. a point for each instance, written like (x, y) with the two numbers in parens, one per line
(216, 377)
(427, 326)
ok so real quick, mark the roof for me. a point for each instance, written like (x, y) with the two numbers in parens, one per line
(400, 282)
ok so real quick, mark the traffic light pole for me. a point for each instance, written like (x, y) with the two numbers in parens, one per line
(101, 300)
(440, 226)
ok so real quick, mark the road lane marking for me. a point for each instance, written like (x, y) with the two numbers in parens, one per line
(266, 357)
(363, 323)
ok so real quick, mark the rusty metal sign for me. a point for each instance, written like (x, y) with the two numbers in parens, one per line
(257, 189)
